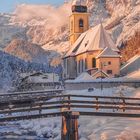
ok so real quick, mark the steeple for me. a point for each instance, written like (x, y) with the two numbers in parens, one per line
(79, 20)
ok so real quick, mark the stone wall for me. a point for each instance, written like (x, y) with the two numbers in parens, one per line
(109, 84)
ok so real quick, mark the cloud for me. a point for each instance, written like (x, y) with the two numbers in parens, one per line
(54, 16)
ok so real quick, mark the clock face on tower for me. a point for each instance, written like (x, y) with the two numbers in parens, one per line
(81, 9)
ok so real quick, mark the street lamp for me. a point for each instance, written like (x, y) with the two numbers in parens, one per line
(102, 65)
(101, 76)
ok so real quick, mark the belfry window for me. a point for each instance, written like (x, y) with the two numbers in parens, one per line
(81, 23)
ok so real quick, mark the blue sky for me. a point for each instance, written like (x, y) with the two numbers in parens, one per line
(9, 5)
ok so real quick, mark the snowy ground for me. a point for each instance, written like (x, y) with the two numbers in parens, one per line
(90, 128)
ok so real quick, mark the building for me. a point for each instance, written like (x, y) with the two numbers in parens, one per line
(39, 81)
(92, 49)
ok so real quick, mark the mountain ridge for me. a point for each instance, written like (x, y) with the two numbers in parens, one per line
(27, 51)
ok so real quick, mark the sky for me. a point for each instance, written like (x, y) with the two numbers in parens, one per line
(9, 5)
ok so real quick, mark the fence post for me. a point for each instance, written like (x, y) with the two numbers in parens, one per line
(69, 103)
(70, 126)
(123, 105)
(97, 105)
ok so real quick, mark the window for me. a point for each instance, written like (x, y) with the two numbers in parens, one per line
(93, 62)
(85, 63)
(109, 62)
(86, 43)
(109, 71)
(71, 25)
(82, 61)
(81, 23)
(79, 66)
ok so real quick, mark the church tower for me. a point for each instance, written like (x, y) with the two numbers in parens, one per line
(79, 20)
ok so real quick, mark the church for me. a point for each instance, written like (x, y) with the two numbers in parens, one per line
(92, 49)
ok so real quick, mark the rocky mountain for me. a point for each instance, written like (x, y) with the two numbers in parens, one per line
(27, 51)
(9, 31)
(131, 47)
(47, 25)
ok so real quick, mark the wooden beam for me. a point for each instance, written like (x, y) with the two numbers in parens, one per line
(28, 117)
(105, 114)
(56, 114)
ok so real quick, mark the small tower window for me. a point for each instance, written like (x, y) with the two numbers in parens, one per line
(81, 23)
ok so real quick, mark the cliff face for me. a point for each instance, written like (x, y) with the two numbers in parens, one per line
(27, 51)
(131, 47)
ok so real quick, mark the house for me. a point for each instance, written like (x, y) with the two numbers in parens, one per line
(38, 81)
(92, 49)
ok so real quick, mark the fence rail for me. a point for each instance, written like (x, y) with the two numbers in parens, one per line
(94, 106)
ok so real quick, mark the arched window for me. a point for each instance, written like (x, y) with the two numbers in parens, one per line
(93, 62)
(81, 23)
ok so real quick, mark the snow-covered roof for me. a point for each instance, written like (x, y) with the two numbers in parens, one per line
(84, 77)
(135, 74)
(130, 61)
(108, 52)
(76, 45)
(43, 78)
(79, 2)
(95, 38)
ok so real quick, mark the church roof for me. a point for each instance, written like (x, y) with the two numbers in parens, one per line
(94, 39)
(108, 52)
(79, 2)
